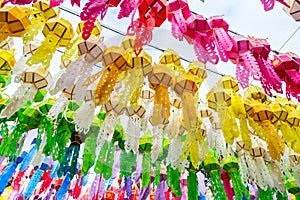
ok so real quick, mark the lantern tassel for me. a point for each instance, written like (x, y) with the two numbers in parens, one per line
(106, 84)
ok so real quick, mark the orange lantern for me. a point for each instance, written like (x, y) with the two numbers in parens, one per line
(13, 21)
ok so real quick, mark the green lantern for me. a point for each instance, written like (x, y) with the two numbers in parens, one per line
(30, 117)
(46, 105)
(230, 165)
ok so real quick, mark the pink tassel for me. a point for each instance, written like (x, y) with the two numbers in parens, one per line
(54, 3)
(294, 75)
(127, 7)
(226, 183)
(268, 4)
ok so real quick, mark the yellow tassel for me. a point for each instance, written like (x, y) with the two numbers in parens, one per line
(161, 97)
(230, 127)
(137, 89)
(71, 50)
(240, 113)
(275, 143)
(287, 132)
(37, 23)
(106, 84)
(44, 52)
(189, 120)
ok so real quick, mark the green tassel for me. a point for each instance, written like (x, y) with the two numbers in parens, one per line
(281, 196)
(101, 158)
(265, 195)
(146, 169)
(4, 133)
(217, 186)
(109, 161)
(173, 180)
(157, 173)
(240, 190)
(127, 161)
(50, 136)
(14, 138)
(89, 153)
(192, 184)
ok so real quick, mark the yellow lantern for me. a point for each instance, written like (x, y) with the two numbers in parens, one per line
(115, 61)
(7, 61)
(186, 88)
(160, 79)
(13, 21)
(34, 79)
(262, 114)
(92, 48)
(48, 12)
(58, 33)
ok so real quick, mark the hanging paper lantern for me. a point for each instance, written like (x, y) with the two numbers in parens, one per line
(199, 32)
(241, 55)
(48, 11)
(269, 78)
(58, 32)
(141, 63)
(222, 39)
(283, 63)
(115, 60)
(178, 12)
(34, 79)
(13, 21)
(212, 166)
(263, 115)
(133, 132)
(230, 165)
(113, 110)
(31, 118)
(160, 79)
